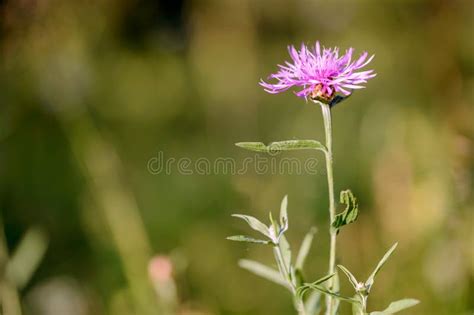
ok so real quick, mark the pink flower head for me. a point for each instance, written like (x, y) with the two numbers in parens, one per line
(321, 73)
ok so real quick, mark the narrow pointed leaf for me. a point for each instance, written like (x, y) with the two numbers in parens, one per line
(286, 252)
(296, 145)
(282, 146)
(324, 290)
(263, 271)
(254, 223)
(397, 306)
(323, 279)
(274, 230)
(370, 280)
(253, 146)
(350, 276)
(307, 286)
(243, 238)
(284, 213)
(304, 249)
(351, 212)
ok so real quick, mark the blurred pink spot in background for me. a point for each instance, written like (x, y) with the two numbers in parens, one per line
(160, 269)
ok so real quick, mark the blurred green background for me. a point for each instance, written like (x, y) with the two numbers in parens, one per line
(90, 91)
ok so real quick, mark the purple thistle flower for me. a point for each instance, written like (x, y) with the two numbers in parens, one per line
(321, 73)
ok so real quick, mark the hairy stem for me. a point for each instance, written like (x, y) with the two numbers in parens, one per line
(326, 110)
(300, 307)
(285, 272)
(363, 304)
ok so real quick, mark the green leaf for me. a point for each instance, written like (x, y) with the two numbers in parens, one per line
(397, 306)
(296, 145)
(253, 146)
(284, 213)
(243, 238)
(274, 230)
(307, 286)
(350, 213)
(254, 223)
(370, 280)
(313, 303)
(304, 249)
(286, 253)
(350, 276)
(302, 290)
(286, 145)
(263, 271)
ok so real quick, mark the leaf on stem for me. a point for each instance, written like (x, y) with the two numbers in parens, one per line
(284, 214)
(253, 146)
(302, 290)
(351, 212)
(370, 280)
(286, 253)
(286, 145)
(274, 230)
(305, 287)
(304, 249)
(254, 223)
(397, 306)
(243, 238)
(263, 271)
(350, 276)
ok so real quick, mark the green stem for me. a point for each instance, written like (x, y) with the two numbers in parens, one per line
(300, 307)
(285, 272)
(326, 110)
(363, 301)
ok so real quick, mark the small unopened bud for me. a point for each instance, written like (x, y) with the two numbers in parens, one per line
(362, 288)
